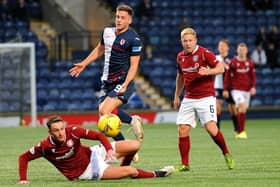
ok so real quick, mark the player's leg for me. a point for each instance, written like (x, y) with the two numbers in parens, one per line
(127, 149)
(219, 103)
(232, 111)
(118, 172)
(206, 111)
(134, 121)
(186, 116)
(233, 114)
(107, 106)
(241, 100)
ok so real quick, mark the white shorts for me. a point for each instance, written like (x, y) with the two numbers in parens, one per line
(241, 97)
(192, 110)
(97, 165)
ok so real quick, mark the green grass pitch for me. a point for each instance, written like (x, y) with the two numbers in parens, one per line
(257, 158)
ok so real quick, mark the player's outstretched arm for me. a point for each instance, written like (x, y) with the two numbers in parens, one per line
(95, 54)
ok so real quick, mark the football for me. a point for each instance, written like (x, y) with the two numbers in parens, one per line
(109, 124)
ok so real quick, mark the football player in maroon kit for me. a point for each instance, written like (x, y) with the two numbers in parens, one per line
(196, 68)
(241, 77)
(75, 161)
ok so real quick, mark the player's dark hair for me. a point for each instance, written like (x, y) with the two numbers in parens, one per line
(225, 41)
(53, 119)
(127, 8)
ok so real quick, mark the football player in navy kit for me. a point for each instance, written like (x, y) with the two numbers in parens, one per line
(121, 47)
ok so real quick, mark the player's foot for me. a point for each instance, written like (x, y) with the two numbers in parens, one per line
(136, 158)
(183, 168)
(137, 128)
(165, 171)
(230, 162)
(241, 135)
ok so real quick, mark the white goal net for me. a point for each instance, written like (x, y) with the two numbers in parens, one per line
(17, 84)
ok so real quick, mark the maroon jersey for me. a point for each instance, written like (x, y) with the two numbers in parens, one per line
(70, 158)
(241, 75)
(197, 86)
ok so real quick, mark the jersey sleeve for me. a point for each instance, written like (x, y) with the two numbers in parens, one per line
(179, 70)
(211, 58)
(79, 132)
(24, 158)
(136, 46)
(102, 38)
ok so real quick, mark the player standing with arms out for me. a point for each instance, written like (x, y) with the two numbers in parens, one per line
(75, 161)
(196, 67)
(122, 47)
(223, 56)
(241, 78)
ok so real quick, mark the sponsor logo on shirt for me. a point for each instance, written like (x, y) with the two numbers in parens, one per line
(192, 68)
(136, 49)
(66, 155)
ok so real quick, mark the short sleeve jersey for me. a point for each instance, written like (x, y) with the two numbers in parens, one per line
(241, 75)
(118, 50)
(197, 86)
(219, 79)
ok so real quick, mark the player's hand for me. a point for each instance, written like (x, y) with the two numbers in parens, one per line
(23, 182)
(176, 103)
(120, 89)
(203, 71)
(225, 94)
(253, 91)
(77, 69)
(110, 155)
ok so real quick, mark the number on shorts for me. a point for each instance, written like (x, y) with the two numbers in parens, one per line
(212, 109)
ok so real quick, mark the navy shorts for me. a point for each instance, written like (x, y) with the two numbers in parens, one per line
(108, 90)
(230, 100)
(219, 95)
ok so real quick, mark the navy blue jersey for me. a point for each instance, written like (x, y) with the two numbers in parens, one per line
(118, 50)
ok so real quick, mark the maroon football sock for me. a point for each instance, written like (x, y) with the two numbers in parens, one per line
(241, 122)
(184, 148)
(220, 141)
(144, 174)
(127, 159)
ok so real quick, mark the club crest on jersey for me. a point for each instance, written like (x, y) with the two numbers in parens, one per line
(195, 58)
(122, 41)
(70, 143)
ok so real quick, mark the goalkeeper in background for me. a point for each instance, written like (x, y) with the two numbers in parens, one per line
(122, 47)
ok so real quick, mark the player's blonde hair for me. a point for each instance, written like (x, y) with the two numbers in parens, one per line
(188, 30)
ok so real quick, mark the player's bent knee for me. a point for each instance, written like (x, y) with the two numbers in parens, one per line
(184, 130)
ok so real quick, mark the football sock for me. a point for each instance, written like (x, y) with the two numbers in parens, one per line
(235, 122)
(125, 117)
(119, 137)
(219, 121)
(127, 159)
(145, 174)
(184, 148)
(220, 141)
(241, 122)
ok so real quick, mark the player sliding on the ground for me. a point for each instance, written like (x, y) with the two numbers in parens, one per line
(75, 161)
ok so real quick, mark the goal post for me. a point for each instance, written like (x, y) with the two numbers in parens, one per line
(17, 84)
